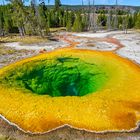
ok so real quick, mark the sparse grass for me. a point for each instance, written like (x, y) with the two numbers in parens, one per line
(90, 45)
(135, 30)
(5, 138)
(5, 51)
(9, 51)
(28, 39)
(23, 40)
(57, 29)
(138, 30)
(9, 55)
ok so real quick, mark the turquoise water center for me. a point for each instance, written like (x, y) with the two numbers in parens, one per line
(59, 76)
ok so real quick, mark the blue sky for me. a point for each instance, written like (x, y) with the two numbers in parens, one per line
(97, 2)
(121, 2)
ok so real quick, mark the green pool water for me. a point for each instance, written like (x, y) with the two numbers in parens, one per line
(59, 76)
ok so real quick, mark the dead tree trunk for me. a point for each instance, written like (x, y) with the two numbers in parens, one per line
(21, 31)
(109, 19)
(125, 24)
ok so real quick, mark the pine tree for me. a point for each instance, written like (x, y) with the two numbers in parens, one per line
(57, 4)
(69, 22)
(7, 22)
(77, 26)
(84, 22)
(61, 14)
(19, 15)
(43, 18)
(138, 21)
(102, 20)
(49, 23)
(1, 24)
(65, 18)
(120, 22)
(32, 23)
(130, 21)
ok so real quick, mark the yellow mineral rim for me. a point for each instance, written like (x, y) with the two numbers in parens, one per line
(96, 91)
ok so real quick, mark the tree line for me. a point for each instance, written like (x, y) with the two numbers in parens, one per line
(35, 19)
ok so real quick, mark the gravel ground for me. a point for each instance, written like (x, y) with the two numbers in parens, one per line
(129, 41)
(50, 46)
(100, 46)
(15, 51)
(10, 55)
